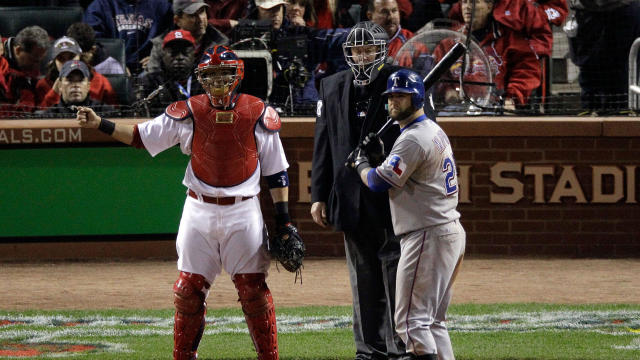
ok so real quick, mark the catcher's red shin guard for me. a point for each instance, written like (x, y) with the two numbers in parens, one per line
(257, 305)
(189, 318)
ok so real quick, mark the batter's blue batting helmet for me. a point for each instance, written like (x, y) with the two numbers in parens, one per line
(407, 82)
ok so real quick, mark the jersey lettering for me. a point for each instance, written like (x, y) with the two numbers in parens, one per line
(450, 180)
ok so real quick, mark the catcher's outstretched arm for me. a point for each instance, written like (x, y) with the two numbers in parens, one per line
(87, 118)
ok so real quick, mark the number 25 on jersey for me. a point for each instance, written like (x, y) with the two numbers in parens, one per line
(450, 180)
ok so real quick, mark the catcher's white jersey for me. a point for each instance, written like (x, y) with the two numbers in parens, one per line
(163, 132)
(422, 172)
(213, 237)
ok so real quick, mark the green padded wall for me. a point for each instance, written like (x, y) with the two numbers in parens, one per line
(90, 191)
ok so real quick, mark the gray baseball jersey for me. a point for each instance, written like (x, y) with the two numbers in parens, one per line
(422, 172)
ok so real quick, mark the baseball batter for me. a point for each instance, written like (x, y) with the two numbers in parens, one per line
(232, 140)
(420, 175)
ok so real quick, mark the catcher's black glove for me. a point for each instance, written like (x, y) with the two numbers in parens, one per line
(288, 248)
(373, 147)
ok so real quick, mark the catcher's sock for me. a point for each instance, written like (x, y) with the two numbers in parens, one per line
(259, 312)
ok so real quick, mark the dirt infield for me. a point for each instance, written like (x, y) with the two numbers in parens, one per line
(148, 284)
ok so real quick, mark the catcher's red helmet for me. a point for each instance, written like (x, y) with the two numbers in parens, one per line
(220, 72)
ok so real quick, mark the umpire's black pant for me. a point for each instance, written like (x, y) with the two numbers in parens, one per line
(372, 259)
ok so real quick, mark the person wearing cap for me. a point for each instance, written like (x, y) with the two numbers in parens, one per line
(48, 88)
(137, 22)
(175, 75)
(19, 70)
(190, 15)
(298, 89)
(270, 10)
(74, 90)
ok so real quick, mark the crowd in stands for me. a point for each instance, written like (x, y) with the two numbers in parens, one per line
(163, 41)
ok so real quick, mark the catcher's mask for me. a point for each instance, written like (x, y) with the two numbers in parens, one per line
(371, 41)
(407, 82)
(220, 72)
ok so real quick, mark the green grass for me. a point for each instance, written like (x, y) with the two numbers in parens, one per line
(478, 332)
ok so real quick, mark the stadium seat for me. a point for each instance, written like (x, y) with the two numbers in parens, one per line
(114, 48)
(54, 19)
(122, 86)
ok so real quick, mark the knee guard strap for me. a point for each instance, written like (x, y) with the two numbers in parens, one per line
(189, 301)
(259, 312)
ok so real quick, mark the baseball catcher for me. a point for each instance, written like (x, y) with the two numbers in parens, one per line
(232, 140)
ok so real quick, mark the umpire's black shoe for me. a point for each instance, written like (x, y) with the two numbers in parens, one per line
(419, 357)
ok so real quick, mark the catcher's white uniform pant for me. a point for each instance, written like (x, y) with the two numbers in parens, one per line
(428, 260)
(212, 237)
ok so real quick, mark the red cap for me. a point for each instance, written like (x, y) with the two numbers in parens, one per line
(184, 35)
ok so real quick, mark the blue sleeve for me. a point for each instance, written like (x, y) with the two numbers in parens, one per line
(375, 182)
(96, 16)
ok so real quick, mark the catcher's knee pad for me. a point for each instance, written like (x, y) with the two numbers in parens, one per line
(259, 312)
(190, 306)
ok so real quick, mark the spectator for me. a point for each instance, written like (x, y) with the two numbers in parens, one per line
(286, 64)
(189, 15)
(134, 21)
(224, 14)
(523, 16)
(93, 53)
(325, 11)
(386, 14)
(515, 66)
(74, 90)
(556, 11)
(48, 88)
(20, 69)
(272, 10)
(175, 74)
(301, 13)
(600, 48)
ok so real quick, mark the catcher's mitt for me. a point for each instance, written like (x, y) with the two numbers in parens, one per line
(288, 248)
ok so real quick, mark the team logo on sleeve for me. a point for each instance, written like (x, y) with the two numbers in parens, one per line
(398, 166)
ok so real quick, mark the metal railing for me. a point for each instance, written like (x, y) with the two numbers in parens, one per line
(634, 89)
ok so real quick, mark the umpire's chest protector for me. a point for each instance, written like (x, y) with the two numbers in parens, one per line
(224, 150)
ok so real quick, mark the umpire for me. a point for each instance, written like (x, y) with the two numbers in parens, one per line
(350, 107)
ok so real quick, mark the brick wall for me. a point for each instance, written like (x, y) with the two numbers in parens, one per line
(527, 187)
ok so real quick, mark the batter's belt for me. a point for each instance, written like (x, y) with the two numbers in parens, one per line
(229, 200)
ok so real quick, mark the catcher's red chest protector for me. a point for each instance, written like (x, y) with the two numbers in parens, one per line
(224, 151)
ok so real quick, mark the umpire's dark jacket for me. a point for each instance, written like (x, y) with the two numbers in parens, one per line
(349, 202)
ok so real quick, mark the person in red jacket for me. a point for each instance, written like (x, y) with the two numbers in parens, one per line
(526, 16)
(19, 70)
(514, 63)
(48, 88)
(386, 13)
(224, 14)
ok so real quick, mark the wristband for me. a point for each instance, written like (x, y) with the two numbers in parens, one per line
(282, 213)
(361, 166)
(106, 126)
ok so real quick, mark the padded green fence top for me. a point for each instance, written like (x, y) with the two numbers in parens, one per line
(90, 191)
